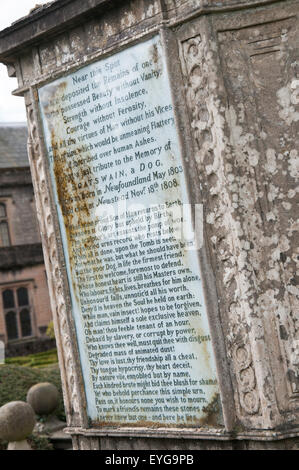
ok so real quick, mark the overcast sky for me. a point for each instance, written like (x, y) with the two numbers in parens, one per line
(12, 108)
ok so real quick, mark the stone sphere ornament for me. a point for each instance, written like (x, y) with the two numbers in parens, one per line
(17, 420)
(43, 397)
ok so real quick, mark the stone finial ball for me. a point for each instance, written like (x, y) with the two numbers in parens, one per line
(17, 420)
(43, 397)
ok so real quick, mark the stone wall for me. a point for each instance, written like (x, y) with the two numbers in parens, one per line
(17, 193)
(23, 348)
(20, 256)
(34, 278)
(22, 263)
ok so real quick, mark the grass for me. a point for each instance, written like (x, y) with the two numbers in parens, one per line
(37, 360)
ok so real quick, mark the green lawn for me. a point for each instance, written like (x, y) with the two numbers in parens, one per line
(37, 360)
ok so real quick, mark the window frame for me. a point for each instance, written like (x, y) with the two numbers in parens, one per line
(5, 219)
(18, 309)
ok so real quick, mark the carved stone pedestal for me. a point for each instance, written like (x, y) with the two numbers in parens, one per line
(232, 71)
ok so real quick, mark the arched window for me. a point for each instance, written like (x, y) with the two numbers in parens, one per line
(8, 299)
(17, 313)
(22, 294)
(11, 325)
(25, 322)
(4, 233)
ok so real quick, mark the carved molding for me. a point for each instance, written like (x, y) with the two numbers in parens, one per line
(249, 194)
(249, 309)
(209, 146)
(248, 54)
(55, 280)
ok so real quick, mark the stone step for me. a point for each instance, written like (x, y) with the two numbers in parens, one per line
(61, 441)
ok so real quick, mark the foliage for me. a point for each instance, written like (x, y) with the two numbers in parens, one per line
(34, 360)
(18, 374)
(3, 445)
(39, 443)
(50, 330)
(15, 382)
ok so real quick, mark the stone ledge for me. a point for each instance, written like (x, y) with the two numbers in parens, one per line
(12, 177)
(60, 15)
(20, 256)
(23, 347)
(47, 20)
(196, 433)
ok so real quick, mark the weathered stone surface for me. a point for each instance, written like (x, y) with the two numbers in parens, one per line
(17, 421)
(43, 397)
(51, 425)
(236, 104)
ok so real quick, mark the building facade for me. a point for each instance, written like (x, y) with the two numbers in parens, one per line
(24, 300)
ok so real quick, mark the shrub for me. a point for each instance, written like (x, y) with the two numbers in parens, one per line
(15, 382)
(50, 330)
(34, 360)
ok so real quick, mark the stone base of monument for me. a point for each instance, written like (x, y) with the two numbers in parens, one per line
(50, 425)
(19, 445)
(52, 429)
(61, 441)
(163, 146)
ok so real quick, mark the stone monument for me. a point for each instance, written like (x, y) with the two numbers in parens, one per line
(162, 144)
